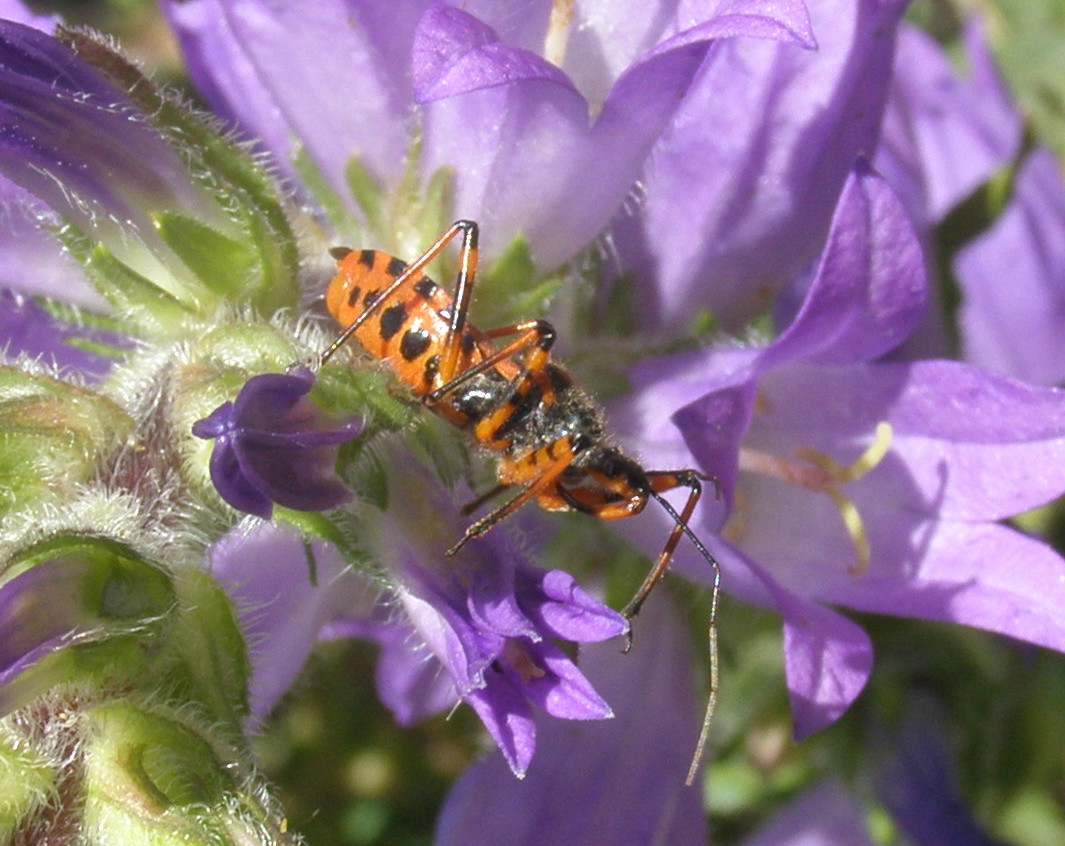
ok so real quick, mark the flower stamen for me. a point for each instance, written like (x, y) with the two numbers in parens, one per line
(823, 474)
(557, 35)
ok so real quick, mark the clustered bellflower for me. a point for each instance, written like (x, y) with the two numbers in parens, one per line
(731, 205)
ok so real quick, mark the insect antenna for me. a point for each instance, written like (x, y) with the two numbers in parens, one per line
(715, 595)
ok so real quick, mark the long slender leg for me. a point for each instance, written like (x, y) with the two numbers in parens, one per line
(540, 484)
(661, 482)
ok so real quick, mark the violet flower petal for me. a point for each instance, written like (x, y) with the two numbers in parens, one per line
(944, 135)
(75, 141)
(410, 682)
(617, 781)
(1015, 328)
(772, 132)
(31, 259)
(531, 137)
(265, 569)
(824, 815)
(331, 74)
(506, 715)
(273, 445)
(870, 287)
(27, 329)
(559, 607)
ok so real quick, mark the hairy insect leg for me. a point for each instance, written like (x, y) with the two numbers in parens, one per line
(660, 483)
(539, 485)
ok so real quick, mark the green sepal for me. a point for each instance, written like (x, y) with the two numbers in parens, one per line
(243, 190)
(509, 291)
(225, 267)
(311, 523)
(210, 660)
(312, 178)
(367, 193)
(99, 607)
(26, 783)
(154, 777)
(52, 435)
(144, 305)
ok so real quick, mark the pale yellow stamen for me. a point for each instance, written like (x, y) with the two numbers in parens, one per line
(558, 28)
(823, 474)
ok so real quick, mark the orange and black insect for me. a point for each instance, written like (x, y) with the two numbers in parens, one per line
(548, 435)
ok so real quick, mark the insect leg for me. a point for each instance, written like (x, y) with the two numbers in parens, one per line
(532, 335)
(661, 482)
(539, 485)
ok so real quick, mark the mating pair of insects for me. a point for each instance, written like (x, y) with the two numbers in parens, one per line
(502, 386)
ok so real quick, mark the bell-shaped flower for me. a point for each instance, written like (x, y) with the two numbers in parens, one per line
(860, 483)
(739, 190)
(273, 445)
(486, 616)
(162, 219)
(542, 122)
(611, 781)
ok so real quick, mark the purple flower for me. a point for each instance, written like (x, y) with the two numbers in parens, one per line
(541, 140)
(618, 781)
(27, 329)
(916, 780)
(283, 611)
(487, 617)
(273, 445)
(75, 141)
(1013, 280)
(944, 135)
(852, 482)
(824, 815)
(738, 192)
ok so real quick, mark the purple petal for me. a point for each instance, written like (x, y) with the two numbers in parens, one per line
(824, 815)
(531, 137)
(561, 689)
(827, 660)
(15, 10)
(741, 187)
(1015, 328)
(943, 135)
(561, 608)
(27, 329)
(916, 781)
(76, 142)
(870, 287)
(616, 781)
(232, 482)
(982, 575)
(265, 570)
(330, 74)
(411, 684)
(455, 53)
(506, 715)
(295, 476)
(31, 258)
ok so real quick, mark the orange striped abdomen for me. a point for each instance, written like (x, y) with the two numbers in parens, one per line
(409, 330)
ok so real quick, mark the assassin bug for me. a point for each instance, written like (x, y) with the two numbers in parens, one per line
(548, 435)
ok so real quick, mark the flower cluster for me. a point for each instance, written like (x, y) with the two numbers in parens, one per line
(737, 209)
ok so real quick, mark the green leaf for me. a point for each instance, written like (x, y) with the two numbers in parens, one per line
(366, 192)
(225, 266)
(142, 303)
(242, 188)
